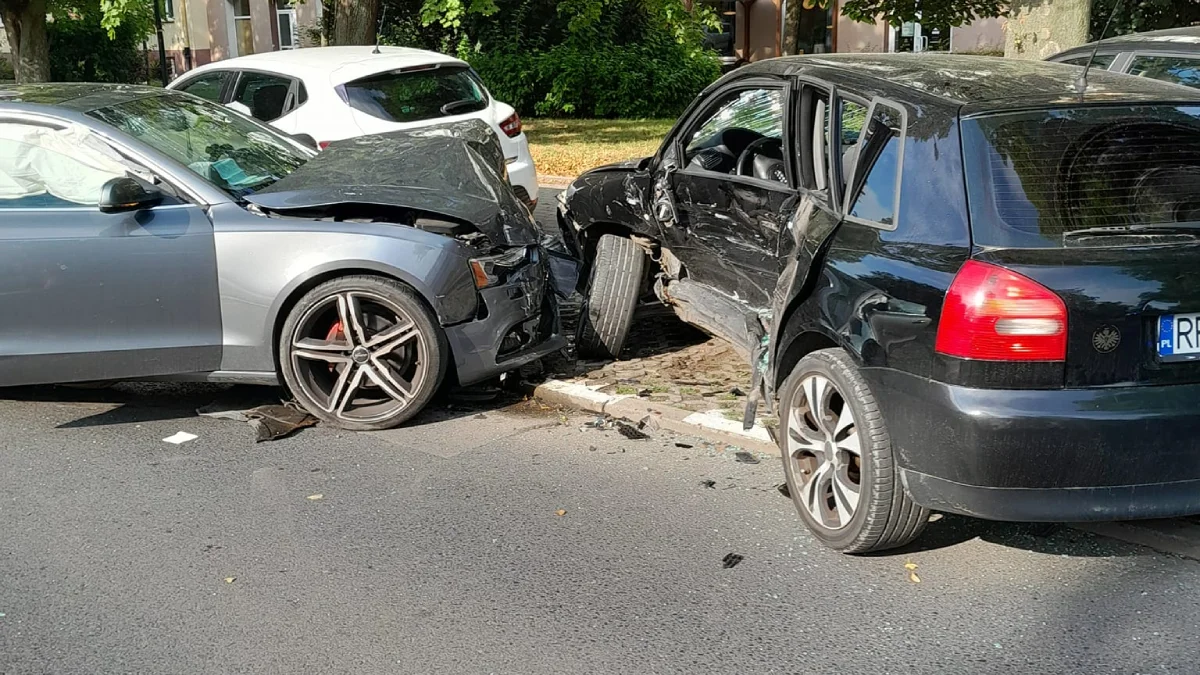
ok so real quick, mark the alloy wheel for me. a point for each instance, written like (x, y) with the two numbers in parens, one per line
(359, 356)
(825, 451)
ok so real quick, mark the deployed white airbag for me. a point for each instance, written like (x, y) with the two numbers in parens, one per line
(71, 164)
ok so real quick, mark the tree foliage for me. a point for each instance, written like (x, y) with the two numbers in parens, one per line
(99, 40)
(930, 12)
(1142, 15)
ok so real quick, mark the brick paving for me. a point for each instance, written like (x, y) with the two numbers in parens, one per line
(665, 360)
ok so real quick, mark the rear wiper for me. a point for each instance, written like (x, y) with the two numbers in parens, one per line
(1119, 230)
(455, 105)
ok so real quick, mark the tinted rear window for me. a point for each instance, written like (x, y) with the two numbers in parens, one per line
(1032, 178)
(416, 95)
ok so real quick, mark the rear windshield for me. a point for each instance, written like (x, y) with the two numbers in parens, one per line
(1040, 179)
(414, 95)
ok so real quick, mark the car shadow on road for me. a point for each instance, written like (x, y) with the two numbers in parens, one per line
(144, 402)
(947, 530)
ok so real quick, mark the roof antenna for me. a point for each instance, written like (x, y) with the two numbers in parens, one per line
(1081, 81)
(383, 15)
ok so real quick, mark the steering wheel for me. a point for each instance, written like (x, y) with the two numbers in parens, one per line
(750, 153)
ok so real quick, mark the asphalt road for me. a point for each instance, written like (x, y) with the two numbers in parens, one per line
(439, 548)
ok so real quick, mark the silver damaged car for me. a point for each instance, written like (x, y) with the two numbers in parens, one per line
(149, 234)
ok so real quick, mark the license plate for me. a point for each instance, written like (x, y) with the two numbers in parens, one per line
(1178, 335)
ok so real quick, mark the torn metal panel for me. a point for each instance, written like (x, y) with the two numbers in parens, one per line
(455, 171)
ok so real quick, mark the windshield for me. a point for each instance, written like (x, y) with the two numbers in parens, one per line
(232, 152)
(1035, 177)
(416, 95)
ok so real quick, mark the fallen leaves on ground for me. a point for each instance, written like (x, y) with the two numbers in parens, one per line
(912, 572)
(568, 147)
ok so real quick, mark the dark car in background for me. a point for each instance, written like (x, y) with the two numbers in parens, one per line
(152, 234)
(969, 288)
(1171, 55)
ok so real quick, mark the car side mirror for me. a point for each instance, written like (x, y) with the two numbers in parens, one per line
(123, 194)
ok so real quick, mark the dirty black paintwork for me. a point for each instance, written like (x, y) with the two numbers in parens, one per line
(1035, 441)
(455, 171)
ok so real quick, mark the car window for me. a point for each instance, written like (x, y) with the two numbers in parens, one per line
(851, 118)
(1102, 61)
(878, 172)
(207, 86)
(1183, 70)
(414, 95)
(1050, 178)
(264, 94)
(232, 152)
(738, 127)
(44, 167)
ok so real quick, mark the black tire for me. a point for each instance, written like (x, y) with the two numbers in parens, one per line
(611, 297)
(427, 353)
(885, 516)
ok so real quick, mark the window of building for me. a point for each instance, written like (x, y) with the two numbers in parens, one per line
(242, 28)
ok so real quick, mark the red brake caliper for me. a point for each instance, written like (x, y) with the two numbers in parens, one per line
(335, 333)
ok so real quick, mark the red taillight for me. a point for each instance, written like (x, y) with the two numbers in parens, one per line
(993, 314)
(511, 126)
(323, 144)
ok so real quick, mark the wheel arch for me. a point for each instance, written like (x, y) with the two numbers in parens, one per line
(302, 284)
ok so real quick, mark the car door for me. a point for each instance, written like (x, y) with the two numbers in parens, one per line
(730, 184)
(209, 85)
(268, 97)
(88, 295)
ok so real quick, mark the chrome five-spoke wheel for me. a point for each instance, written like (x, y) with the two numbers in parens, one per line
(362, 352)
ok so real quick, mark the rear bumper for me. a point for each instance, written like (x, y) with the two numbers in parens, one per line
(518, 324)
(1059, 455)
(522, 173)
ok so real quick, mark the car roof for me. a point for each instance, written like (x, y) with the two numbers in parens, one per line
(1186, 39)
(76, 96)
(979, 82)
(336, 64)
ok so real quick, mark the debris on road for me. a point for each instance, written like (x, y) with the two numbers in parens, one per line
(648, 423)
(316, 497)
(685, 446)
(731, 560)
(783, 490)
(631, 432)
(709, 483)
(743, 457)
(230, 580)
(560, 513)
(270, 422)
(180, 438)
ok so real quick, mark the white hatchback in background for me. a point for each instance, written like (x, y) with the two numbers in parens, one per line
(332, 93)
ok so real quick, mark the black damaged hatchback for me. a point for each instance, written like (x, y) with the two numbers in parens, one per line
(964, 285)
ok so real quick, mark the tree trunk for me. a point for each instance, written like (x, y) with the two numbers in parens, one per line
(25, 24)
(354, 23)
(1041, 28)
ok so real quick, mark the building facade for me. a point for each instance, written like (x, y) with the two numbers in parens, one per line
(761, 29)
(197, 32)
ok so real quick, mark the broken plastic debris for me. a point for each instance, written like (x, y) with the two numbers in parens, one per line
(631, 432)
(316, 497)
(268, 421)
(783, 490)
(744, 457)
(731, 560)
(686, 446)
(709, 483)
(180, 438)
(912, 572)
(230, 580)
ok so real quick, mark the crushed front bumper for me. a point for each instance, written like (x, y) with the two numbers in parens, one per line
(517, 322)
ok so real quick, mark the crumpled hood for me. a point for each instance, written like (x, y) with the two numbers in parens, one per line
(455, 170)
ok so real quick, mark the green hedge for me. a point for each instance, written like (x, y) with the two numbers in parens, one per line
(655, 78)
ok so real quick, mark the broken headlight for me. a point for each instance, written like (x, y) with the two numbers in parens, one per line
(494, 269)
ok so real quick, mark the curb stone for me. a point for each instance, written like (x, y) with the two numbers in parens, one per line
(710, 427)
